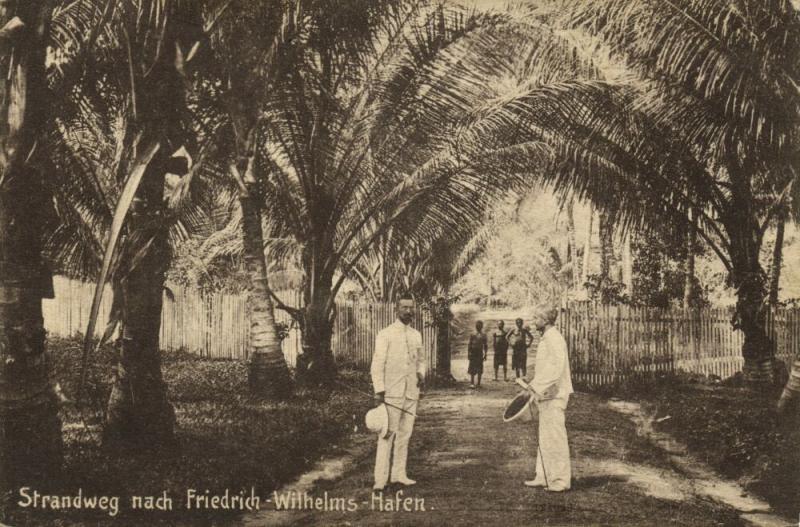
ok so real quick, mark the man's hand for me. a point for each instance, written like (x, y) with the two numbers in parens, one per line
(420, 380)
(379, 397)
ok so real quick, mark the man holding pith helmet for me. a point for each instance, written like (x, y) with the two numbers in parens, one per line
(398, 373)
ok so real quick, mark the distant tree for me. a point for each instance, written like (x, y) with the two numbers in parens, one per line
(659, 273)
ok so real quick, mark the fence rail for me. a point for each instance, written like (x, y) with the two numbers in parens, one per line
(609, 343)
(218, 326)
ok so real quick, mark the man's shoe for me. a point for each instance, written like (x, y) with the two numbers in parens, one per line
(377, 488)
(534, 483)
(405, 481)
(557, 489)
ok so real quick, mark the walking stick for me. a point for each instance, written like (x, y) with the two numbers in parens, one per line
(353, 388)
(538, 444)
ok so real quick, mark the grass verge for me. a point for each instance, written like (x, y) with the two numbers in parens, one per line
(734, 429)
(226, 441)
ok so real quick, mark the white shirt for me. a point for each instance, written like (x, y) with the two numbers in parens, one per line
(397, 359)
(552, 379)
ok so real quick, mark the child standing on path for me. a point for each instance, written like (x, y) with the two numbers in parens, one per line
(519, 338)
(476, 352)
(500, 347)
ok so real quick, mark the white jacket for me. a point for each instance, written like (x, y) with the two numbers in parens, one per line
(397, 359)
(552, 379)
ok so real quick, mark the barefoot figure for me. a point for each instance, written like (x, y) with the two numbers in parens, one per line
(500, 347)
(476, 353)
(519, 338)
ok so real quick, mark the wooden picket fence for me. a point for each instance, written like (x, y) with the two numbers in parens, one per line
(608, 344)
(218, 326)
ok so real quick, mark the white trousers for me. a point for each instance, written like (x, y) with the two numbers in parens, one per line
(393, 451)
(552, 457)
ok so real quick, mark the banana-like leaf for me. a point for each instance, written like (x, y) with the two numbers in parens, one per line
(120, 213)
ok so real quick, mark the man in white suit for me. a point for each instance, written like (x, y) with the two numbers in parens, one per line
(551, 387)
(398, 373)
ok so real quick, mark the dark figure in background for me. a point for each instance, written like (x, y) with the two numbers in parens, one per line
(476, 353)
(500, 347)
(519, 338)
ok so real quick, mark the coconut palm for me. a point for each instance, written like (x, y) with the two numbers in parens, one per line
(364, 141)
(722, 78)
(121, 131)
(247, 49)
(30, 449)
(321, 123)
(699, 129)
(618, 163)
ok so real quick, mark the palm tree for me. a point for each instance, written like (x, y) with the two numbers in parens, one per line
(321, 129)
(720, 78)
(386, 134)
(248, 46)
(30, 429)
(122, 130)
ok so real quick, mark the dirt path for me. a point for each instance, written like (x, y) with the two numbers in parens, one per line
(470, 468)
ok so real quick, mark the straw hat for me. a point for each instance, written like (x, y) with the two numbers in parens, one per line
(377, 420)
(518, 408)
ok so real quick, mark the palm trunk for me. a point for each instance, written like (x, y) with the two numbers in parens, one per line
(573, 244)
(139, 414)
(316, 365)
(750, 309)
(750, 282)
(777, 263)
(442, 317)
(30, 429)
(268, 372)
(689, 263)
(587, 248)
(606, 246)
(788, 402)
(383, 272)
